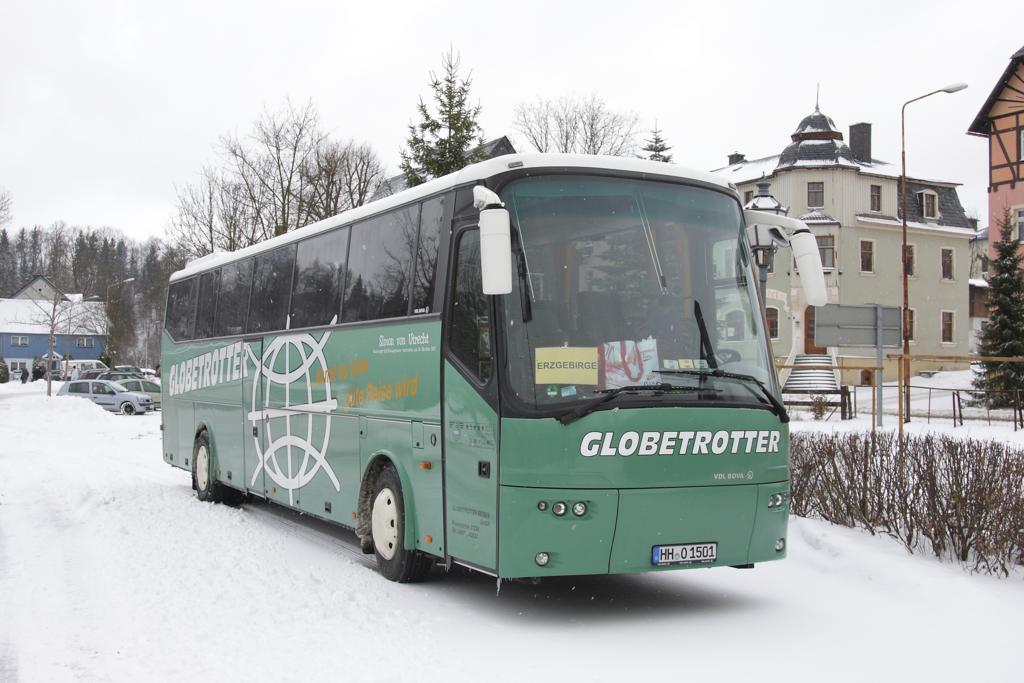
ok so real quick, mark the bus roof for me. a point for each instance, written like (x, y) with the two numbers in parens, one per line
(469, 174)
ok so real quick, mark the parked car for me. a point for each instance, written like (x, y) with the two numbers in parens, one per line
(129, 368)
(109, 396)
(115, 376)
(143, 386)
(91, 374)
(69, 366)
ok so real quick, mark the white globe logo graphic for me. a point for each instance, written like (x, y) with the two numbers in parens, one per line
(290, 458)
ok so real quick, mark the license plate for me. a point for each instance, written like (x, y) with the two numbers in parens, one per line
(685, 553)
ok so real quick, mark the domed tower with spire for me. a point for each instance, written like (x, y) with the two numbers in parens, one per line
(816, 142)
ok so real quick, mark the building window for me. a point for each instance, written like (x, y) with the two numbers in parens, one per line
(911, 260)
(867, 256)
(19, 340)
(85, 342)
(928, 203)
(827, 250)
(772, 316)
(947, 327)
(815, 195)
(1020, 216)
(747, 196)
(911, 324)
(876, 198)
(734, 327)
(947, 264)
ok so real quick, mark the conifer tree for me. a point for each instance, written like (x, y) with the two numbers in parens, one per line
(1004, 334)
(452, 139)
(657, 146)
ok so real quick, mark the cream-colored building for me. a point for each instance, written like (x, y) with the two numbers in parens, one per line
(851, 202)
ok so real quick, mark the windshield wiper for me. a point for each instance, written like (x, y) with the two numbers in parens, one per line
(608, 394)
(707, 352)
(780, 409)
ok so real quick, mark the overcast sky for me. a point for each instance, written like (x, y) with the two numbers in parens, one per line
(106, 106)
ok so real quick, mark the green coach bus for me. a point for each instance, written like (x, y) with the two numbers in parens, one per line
(540, 365)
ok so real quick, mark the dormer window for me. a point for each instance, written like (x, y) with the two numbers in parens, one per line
(928, 203)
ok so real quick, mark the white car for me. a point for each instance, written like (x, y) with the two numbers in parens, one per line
(108, 395)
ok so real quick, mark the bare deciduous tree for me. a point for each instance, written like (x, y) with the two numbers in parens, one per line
(580, 126)
(6, 202)
(270, 164)
(340, 176)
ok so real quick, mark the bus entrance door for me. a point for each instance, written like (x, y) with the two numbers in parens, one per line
(252, 410)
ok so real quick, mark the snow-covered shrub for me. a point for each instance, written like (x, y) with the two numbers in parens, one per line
(5, 372)
(957, 498)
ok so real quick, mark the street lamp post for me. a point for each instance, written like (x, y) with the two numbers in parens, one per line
(951, 88)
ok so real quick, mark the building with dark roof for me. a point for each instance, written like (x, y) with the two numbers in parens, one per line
(851, 202)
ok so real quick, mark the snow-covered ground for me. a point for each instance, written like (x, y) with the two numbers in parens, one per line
(110, 569)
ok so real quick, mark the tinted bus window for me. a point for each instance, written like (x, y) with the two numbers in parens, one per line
(380, 260)
(470, 333)
(181, 309)
(209, 283)
(233, 299)
(271, 289)
(425, 274)
(319, 277)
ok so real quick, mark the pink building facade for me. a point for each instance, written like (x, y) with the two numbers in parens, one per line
(1001, 122)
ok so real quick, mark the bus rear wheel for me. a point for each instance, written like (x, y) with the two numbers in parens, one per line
(387, 525)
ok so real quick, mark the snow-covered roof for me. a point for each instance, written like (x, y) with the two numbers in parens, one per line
(818, 216)
(930, 227)
(977, 282)
(469, 174)
(26, 316)
(747, 171)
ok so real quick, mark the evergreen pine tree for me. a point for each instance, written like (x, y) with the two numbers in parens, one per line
(453, 139)
(1004, 334)
(657, 146)
(8, 265)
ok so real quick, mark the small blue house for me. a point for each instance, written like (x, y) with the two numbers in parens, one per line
(79, 326)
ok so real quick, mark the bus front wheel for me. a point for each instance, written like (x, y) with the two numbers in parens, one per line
(206, 486)
(387, 524)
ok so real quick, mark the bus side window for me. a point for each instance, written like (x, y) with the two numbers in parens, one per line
(470, 335)
(379, 264)
(319, 277)
(233, 298)
(425, 265)
(181, 309)
(209, 283)
(271, 290)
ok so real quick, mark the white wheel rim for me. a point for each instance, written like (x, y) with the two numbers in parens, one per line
(202, 468)
(384, 523)
(127, 408)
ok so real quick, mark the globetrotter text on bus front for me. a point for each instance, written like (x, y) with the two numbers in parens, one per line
(724, 442)
(225, 364)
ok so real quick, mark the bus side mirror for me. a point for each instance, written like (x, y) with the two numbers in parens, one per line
(495, 251)
(808, 264)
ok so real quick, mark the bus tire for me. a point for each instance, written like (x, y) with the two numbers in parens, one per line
(207, 488)
(387, 524)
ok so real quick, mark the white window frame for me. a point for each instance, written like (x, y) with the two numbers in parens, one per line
(85, 343)
(778, 321)
(833, 248)
(952, 332)
(816, 206)
(924, 204)
(913, 325)
(952, 261)
(860, 257)
(1017, 212)
(913, 253)
(871, 188)
(23, 338)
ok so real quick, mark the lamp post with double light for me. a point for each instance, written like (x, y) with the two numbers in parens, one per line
(951, 88)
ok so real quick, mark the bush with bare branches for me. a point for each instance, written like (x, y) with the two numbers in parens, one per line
(959, 499)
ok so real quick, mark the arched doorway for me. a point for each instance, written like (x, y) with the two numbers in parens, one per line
(809, 347)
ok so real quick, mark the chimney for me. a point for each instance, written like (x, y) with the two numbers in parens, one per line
(860, 142)
(736, 158)
(973, 222)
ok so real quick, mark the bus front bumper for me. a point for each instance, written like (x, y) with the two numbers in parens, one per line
(619, 529)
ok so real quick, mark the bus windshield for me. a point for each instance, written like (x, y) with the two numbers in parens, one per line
(621, 283)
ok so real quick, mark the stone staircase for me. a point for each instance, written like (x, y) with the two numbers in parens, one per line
(811, 379)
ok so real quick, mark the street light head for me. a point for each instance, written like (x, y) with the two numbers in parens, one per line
(954, 87)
